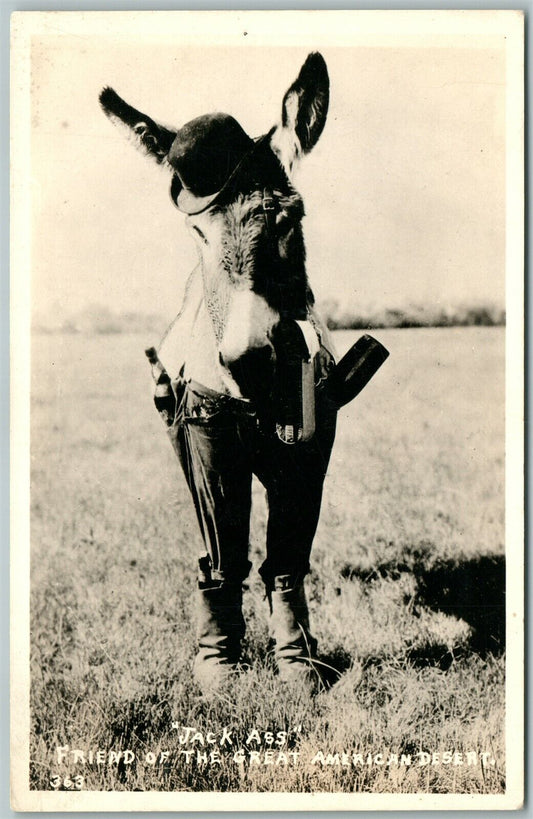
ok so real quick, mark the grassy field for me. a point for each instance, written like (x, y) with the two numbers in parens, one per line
(406, 593)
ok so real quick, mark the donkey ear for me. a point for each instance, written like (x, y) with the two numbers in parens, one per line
(303, 113)
(151, 138)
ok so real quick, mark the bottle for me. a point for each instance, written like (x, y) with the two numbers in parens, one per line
(355, 369)
(164, 398)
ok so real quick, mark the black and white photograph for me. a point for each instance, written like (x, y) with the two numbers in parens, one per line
(267, 410)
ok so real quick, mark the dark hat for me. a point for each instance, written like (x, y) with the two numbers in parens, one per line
(206, 154)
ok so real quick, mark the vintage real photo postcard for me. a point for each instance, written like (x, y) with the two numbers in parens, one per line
(267, 410)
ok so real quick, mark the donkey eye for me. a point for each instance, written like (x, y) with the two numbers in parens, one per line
(200, 234)
(284, 229)
(283, 225)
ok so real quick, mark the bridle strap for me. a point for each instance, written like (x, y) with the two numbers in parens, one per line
(269, 209)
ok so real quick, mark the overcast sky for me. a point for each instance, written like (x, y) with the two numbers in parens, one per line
(404, 192)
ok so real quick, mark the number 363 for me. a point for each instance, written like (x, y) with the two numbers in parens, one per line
(67, 783)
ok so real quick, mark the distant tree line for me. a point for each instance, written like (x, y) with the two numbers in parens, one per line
(98, 319)
(339, 317)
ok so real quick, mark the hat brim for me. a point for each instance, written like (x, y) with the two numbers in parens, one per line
(190, 204)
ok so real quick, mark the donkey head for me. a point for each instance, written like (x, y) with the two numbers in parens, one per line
(244, 216)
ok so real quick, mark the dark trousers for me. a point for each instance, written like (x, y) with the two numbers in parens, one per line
(221, 444)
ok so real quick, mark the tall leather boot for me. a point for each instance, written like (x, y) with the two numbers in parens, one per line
(295, 647)
(220, 629)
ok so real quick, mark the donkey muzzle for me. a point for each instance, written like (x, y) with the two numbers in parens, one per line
(253, 372)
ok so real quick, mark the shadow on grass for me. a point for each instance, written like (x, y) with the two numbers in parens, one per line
(330, 666)
(333, 665)
(471, 590)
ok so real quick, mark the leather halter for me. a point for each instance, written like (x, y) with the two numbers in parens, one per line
(270, 210)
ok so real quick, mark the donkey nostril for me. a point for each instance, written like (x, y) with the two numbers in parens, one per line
(253, 371)
(200, 234)
(255, 356)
